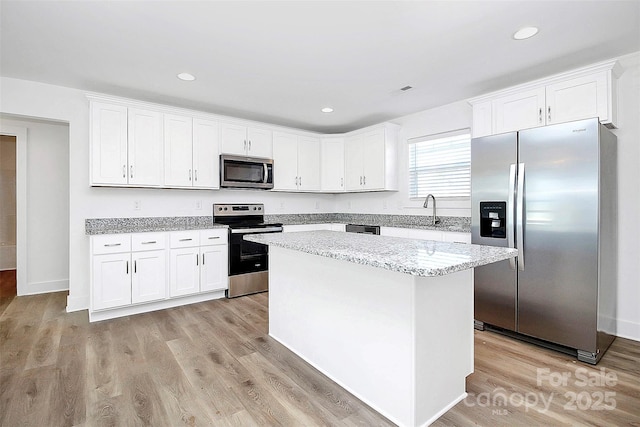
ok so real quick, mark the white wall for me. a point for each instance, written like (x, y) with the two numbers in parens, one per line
(47, 201)
(70, 105)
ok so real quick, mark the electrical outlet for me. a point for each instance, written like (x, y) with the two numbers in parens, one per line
(199, 204)
(137, 205)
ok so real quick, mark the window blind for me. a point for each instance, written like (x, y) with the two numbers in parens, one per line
(440, 165)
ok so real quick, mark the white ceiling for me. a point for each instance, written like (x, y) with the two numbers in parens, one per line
(282, 61)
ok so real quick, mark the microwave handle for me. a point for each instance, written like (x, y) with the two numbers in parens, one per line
(266, 172)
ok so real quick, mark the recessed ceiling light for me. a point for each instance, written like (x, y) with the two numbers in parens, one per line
(186, 77)
(525, 33)
(327, 110)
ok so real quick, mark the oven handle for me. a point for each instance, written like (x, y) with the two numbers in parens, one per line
(256, 230)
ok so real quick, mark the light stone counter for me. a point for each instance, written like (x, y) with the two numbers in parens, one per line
(425, 258)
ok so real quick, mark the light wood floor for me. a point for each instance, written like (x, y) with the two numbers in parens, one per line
(214, 364)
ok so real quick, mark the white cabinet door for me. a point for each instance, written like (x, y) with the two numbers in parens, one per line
(108, 144)
(373, 160)
(233, 139)
(259, 143)
(521, 110)
(482, 119)
(332, 165)
(145, 148)
(111, 281)
(285, 162)
(425, 234)
(184, 271)
(578, 98)
(178, 135)
(206, 154)
(213, 268)
(353, 163)
(308, 164)
(149, 279)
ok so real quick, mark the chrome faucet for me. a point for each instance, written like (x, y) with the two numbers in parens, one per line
(426, 205)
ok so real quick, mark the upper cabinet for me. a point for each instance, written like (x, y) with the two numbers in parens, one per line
(370, 159)
(332, 165)
(190, 152)
(296, 162)
(584, 93)
(126, 146)
(246, 141)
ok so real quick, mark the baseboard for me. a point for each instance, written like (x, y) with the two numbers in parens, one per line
(628, 330)
(46, 287)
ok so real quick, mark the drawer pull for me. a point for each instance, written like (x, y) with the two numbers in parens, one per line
(214, 237)
(109, 245)
(185, 240)
(149, 242)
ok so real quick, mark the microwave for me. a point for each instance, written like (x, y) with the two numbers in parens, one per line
(246, 172)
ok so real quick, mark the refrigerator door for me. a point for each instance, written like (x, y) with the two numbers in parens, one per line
(493, 167)
(557, 289)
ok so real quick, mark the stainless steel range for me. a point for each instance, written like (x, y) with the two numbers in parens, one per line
(248, 261)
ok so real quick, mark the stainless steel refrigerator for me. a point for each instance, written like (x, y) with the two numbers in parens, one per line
(551, 193)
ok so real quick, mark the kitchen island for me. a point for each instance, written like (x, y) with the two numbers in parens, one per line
(389, 319)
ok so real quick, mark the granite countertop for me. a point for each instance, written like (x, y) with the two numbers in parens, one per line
(447, 223)
(424, 258)
(95, 226)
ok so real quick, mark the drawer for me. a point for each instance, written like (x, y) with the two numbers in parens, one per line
(110, 243)
(184, 239)
(148, 241)
(218, 236)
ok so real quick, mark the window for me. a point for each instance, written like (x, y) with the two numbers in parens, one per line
(440, 165)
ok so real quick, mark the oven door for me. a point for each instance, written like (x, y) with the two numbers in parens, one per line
(248, 257)
(246, 172)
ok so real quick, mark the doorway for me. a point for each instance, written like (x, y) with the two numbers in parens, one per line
(8, 215)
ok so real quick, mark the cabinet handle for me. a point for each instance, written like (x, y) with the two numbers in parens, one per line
(214, 237)
(549, 110)
(131, 171)
(360, 180)
(195, 173)
(341, 182)
(299, 180)
(197, 259)
(249, 145)
(108, 245)
(202, 259)
(364, 180)
(540, 115)
(127, 267)
(185, 240)
(135, 266)
(189, 174)
(149, 242)
(124, 171)
(245, 145)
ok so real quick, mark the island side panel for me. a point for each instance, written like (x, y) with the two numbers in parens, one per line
(354, 323)
(444, 342)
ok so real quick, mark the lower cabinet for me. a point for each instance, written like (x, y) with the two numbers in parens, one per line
(134, 273)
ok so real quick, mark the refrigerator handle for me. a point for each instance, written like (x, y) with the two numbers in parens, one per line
(520, 217)
(511, 212)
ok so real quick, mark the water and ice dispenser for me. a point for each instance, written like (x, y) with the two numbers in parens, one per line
(493, 219)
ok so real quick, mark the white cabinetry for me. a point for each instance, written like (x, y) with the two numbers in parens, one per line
(423, 234)
(198, 262)
(190, 152)
(145, 147)
(127, 269)
(246, 141)
(130, 273)
(296, 162)
(332, 165)
(370, 159)
(126, 146)
(579, 94)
